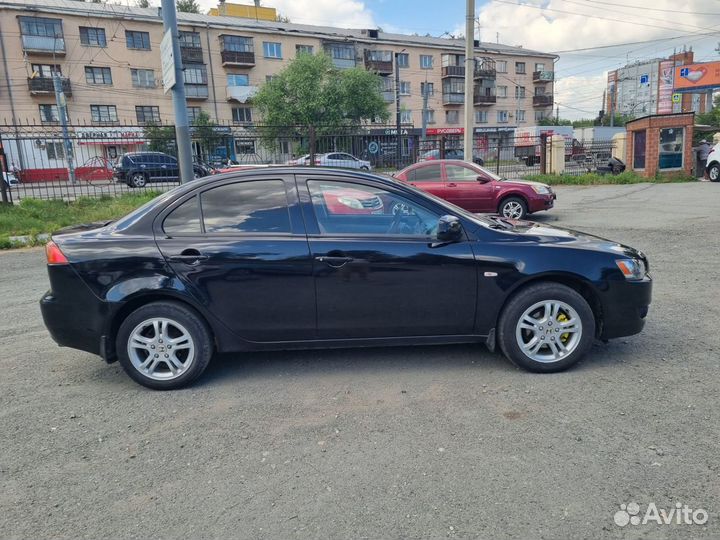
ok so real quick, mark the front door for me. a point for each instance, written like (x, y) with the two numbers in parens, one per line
(378, 271)
(241, 250)
(465, 190)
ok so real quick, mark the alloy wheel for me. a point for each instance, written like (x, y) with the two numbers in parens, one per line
(512, 209)
(548, 331)
(161, 349)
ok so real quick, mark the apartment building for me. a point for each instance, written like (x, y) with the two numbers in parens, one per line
(108, 57)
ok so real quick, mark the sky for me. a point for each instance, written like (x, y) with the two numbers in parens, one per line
(613, 32)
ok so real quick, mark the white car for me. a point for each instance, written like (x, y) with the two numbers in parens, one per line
(10, 179)
(340, 159)
(302, 160)
(712, 168)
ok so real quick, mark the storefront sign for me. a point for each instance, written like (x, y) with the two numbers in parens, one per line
(445, 131)
(110, 136)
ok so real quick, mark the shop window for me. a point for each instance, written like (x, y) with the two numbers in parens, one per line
(670, 155)
(639, 148)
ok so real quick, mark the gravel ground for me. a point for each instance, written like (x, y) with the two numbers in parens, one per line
(429, 442)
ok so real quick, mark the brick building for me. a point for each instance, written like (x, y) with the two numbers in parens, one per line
(660, 144)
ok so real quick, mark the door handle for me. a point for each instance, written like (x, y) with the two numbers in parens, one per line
(335, 262)
(188, 256)
(451, 184)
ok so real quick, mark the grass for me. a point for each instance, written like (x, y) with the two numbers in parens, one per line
(594, 179)
(33, 216)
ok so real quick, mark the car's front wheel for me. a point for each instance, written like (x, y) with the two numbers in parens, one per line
(714, 172)
(513, 208)
(164, 345)
(546, 327)
(138, 180)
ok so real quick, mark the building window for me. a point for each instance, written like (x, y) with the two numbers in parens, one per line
(501, 66)
(241, 115)
(92, 37)
(237, 79)
(427, 88)
(193, 113)
(520, 68)
(519, 92)
(481, 117)
(452, 117)
(342, 52)
(41, 27)
(147, 114)
(137, 40)
(430, 116)
(502, 91)
(520, 116)
(49, 114)
(540, 116)
(671, 148)
(237, 44)
(406, 117)
(196, 74)
(403, 60)
(502, 117)
(143, 78)
(103, 113)
(98, 75)
(46, 71)
(539, 67)
(426, 61)
(244, 146)
(539, 90)
(270, 78)
(189, 39)
(303, 49)
(55, 150)
(404, 88)
(272, 49)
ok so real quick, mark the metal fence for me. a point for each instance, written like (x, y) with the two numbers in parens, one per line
(43, 162)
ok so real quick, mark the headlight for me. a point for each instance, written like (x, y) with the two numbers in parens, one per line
(633, 269)
(542, 190)
(351, 202)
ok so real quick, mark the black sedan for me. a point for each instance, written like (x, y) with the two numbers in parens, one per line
(282, 258)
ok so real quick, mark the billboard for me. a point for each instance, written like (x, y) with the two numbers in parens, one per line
(665, 87)
(697, 77)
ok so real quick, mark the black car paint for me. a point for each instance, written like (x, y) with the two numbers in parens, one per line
(274, 292)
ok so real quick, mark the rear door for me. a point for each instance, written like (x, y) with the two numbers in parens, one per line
(240, 248)
(428, 177)
(464, 190)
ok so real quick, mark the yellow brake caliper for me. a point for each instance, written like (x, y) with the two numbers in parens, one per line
(563, 337)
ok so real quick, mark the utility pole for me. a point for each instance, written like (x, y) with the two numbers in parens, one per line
(426, 93)
(62, 113)
(613, 91)
(182, 129)
(398, 135)
(469, 71)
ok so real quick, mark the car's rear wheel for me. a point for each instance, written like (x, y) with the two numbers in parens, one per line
(714, 172)
(364, 168)
(546, 327)
(513, 208)
(138, 180)
(164, 345)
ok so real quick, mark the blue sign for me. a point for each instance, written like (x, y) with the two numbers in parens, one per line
(684, 72)
(644, 79)
(373, 147)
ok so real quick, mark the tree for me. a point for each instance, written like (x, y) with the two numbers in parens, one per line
(552, 121)
(187, 6)
(143, 3)
(160, 138)
(310, 91)
(205, 131)
(282, 18)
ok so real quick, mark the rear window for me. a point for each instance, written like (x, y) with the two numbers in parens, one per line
(185, 219)
(427, 173)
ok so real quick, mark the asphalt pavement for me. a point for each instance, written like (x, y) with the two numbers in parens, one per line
(426, 442)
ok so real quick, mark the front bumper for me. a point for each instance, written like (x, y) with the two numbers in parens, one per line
(625, 305)
(542, 202)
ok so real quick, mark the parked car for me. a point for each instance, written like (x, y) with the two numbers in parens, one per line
(136, 169)
(270, 264)
(712, 169)
(302, 160)
(450, 153)
(343, 160)
(476, 189)
(10, 179)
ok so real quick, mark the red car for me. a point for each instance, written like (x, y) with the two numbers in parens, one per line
(476, 189)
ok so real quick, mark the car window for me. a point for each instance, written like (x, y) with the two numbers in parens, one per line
(350, 208)
(427, 173)
(458, 173)
(185, 219)
(250, 207)
(333, 156)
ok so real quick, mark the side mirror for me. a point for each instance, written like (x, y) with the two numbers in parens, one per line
(449, 229)
(483, 179)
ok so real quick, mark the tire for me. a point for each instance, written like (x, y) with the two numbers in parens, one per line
(714, 172)
(528, 304)
(138, 180)
(364, 168)
(513, 208)
(166, 369)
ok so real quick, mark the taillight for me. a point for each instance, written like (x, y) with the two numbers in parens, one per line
(54, 255)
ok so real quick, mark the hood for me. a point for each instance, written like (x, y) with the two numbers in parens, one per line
(549, 234)
(526, 183)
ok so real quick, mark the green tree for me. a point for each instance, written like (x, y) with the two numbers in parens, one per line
(142, 3)
(160, 138)
(552, 121)
(187, 6)
(310, 91)
(205, 131)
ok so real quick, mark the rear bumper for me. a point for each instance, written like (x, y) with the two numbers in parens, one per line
(625, 308)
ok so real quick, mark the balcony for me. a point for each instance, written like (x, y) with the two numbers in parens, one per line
(453, 98)
(191, 55)
(545, 100)
(483, 99)
(379, 61)
(543, 76)
(238, 58)
(452, 71)
(484, 69)
(43, 45)
(241, 94)
(41, 86)
(196, 91)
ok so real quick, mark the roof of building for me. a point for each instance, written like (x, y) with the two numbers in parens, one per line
(328, 33)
